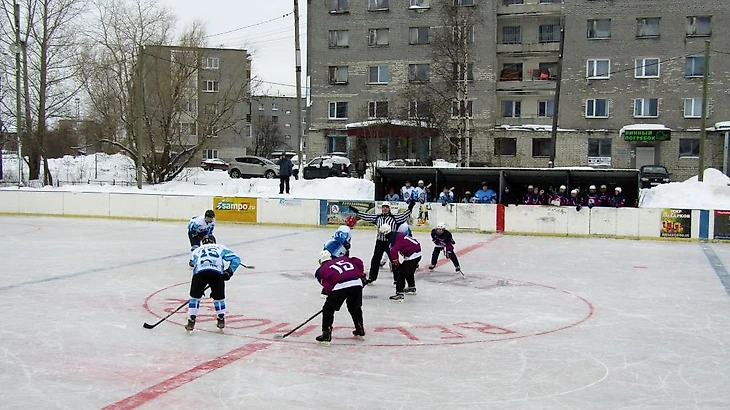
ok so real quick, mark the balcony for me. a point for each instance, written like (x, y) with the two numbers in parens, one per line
(509, 8)
(525, 120)
(512, 82)
(529, 48)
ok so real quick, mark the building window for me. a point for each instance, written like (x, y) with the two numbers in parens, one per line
(378, 37)
(210, 86)
(598, 69)
(465, 2)
(694, 66)
(287, 125)
(188, 128)
(693, 107)
(339, 6)
(512, 35)
(511, 109)
(377, 109)
(338, 74)
(511, 72)
(210, 154)
(689, 147)
(420, 4)
(699, 26)
(505, 146)
(546, 71)
(378, 74)
(458, 32)
(274, 107)
(597, 108)
(419, 109)
(190, 105)
(646, 68)
(338, 110)
(464, 72)
(336, 143)
(647, 27)
(339, 38)
(211, 63)
(549, 33)
(462, 109)
(513, 2)
(545, 108)
(275, 119)
(261, 107)
(599, 29)
(248, 118)
(599, 147)
(377, 5)
(646, 107)
(418, 35)
(541, 147)
(419, 73)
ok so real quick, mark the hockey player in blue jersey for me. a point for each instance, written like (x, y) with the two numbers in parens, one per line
(339, 244)
(198, 227)
(209, 270)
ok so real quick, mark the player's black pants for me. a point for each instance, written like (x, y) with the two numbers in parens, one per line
(380, 247)
(450, 254)
(283, 181)
(353, 296)
(211, 278)
(406, 272)
(195, 238)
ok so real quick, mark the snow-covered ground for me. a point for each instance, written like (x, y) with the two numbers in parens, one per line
(712, 193)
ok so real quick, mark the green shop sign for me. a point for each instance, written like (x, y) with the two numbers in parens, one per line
(647, 135)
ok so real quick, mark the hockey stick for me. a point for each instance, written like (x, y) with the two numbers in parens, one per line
(280, 336)
(149, 326)
(248, 266)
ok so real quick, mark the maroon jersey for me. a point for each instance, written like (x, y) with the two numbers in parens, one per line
(406, 246)
(340, 273)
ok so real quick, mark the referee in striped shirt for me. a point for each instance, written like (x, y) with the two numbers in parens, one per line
(381, 242)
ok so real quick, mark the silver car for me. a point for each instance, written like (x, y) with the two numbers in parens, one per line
(251, 166)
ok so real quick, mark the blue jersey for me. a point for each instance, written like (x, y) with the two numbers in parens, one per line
(211, 257)
(339, 244)
(199, 227)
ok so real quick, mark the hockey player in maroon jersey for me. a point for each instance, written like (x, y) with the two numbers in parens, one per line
(404, 272)
(341, 279)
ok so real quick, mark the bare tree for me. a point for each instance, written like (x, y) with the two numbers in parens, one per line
(268, 136)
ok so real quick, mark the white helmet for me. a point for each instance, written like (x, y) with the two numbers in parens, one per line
(575, 191)
(324, 256)
(593, 187)
(441, 225)
(385, 229)
(386, 203)
(563, 187)
(618, 189)
(403, 228)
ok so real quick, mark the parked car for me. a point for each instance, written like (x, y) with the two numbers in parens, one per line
(253, 166)
(652, 175)
(214, 163)
(327, 166)
(276, 155)
(405, 163)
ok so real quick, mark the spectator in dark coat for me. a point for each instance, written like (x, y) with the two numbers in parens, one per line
(508, 197)
(360, 167)
(285, 170)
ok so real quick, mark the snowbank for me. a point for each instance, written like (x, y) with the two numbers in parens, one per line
(712, 193)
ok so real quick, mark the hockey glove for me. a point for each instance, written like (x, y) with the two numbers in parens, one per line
(590, 206)
(346, 245)
(227, 274)
(578, 207)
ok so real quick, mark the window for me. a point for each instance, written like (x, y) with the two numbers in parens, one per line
(274, 107)
(418, 35)
(693, 108)
(287, 125)
(339, 6)
(458, 32)
(545, 108)
(513, 2)
(599, 147)
(689, 147)
(378, 74)
(547, 71)
(598, 69)
(210, 154)
(338, 110)
(338, 74)
(465, 2)
(646, 68)
(646, 107)
(647, 27)
(505, 146)
(188, 128)
(511, 72)
(512, 35)
(464, 72)
(549, 33)
(542, 147)
(275, 119)
(210, 86)
(378, 37)
(339, 38)
(419, 73)
(597, 108)
(420, 4)
(699, 26)
(599, 29)
(462, 109)
(248, 118)
(419, 109)
(377, 109)
(190, 105)
(261, 107)
(336, 143)
(211, 63)
(694, 66)
(377, 5)
(511, 109)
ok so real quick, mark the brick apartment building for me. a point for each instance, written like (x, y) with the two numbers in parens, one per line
(625, 63)
(274, 124)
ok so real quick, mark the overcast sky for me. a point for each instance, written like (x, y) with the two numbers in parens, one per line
(271, 43)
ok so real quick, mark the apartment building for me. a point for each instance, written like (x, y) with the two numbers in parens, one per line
(625, 64)
(274, 124)
(199, 97)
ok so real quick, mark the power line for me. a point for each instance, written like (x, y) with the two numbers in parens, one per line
(250, 25)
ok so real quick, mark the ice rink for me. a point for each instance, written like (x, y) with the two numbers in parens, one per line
(537, 323)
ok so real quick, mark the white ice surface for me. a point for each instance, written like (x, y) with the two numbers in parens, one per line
(595, 324)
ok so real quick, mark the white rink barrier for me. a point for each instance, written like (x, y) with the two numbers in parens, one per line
(523, 219)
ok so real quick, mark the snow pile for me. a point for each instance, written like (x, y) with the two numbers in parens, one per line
(78, 170)
(643, 127)
(712, 193)
(533, 127)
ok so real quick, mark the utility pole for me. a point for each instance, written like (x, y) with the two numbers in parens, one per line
(703, 123)
(140, 112)
(18, 107)
(556, 100)
(298, 70)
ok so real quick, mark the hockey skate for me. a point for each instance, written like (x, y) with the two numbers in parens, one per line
(359, 331)
(325, 337)
(411, 290)
(191, 324)
(398, 297)
(431, 267)
(458, 270)
(221, 322)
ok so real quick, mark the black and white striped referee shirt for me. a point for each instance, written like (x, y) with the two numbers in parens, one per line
(384, 219)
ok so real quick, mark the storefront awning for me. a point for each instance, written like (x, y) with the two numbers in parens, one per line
(390, 128)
